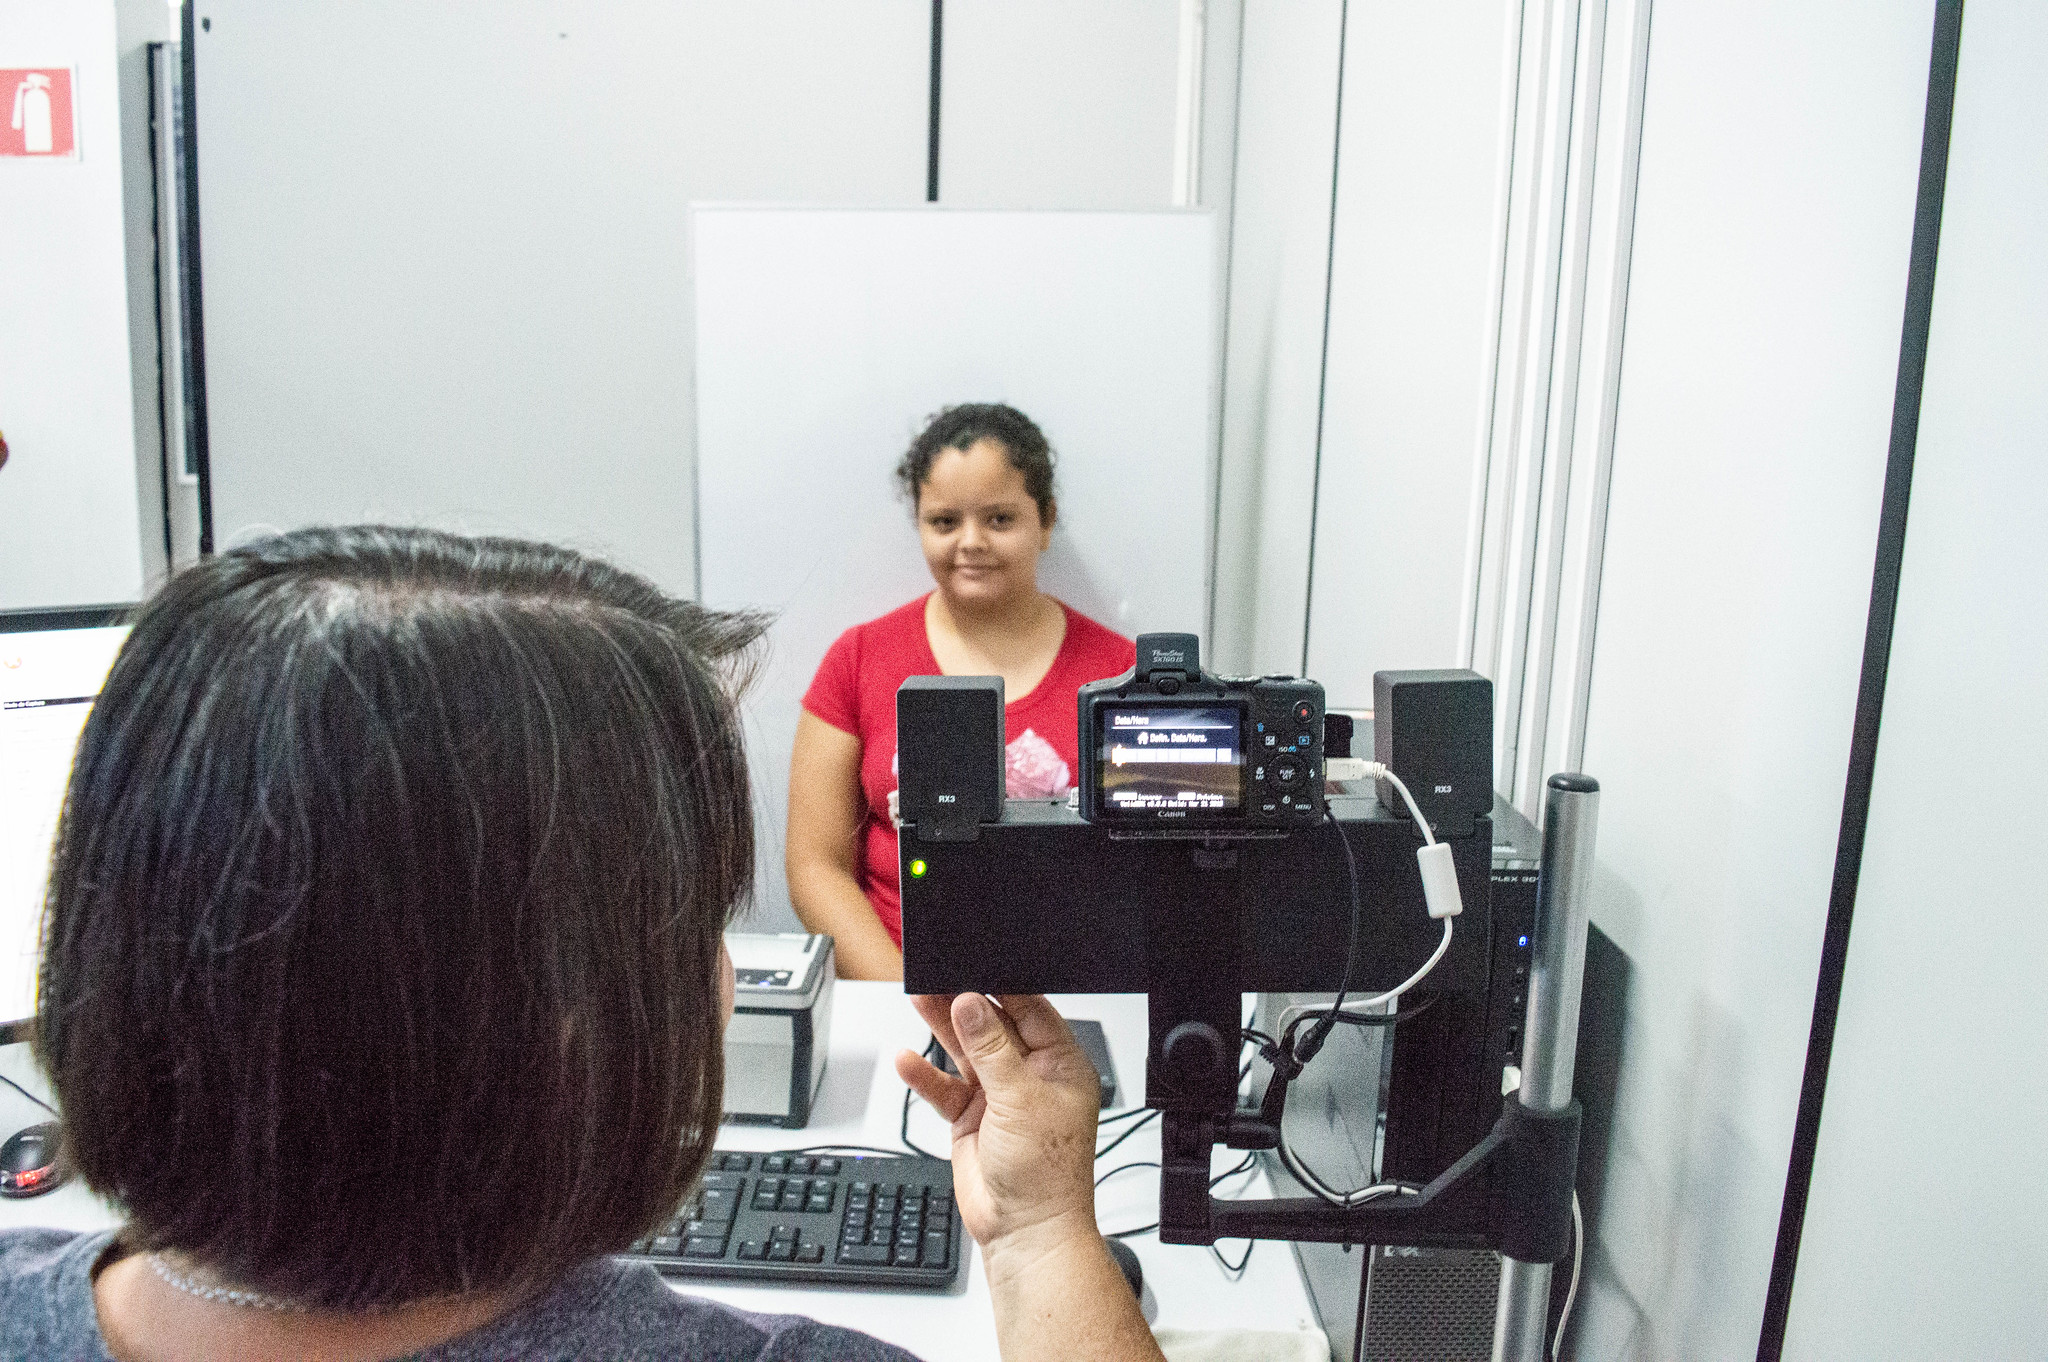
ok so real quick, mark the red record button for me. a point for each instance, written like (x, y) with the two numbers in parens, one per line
(1304, 711)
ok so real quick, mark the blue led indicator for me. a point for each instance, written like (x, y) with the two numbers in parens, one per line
(1521, 941)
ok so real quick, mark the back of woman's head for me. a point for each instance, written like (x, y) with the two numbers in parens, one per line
(381, 951)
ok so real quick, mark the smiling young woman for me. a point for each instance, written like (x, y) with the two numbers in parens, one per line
(980, 482)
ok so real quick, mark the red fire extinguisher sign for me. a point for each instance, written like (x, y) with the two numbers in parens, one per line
(39, 122)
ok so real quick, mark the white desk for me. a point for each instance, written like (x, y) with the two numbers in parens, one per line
(861, 1102)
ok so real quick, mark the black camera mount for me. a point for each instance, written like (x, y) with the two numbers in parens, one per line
(1041, 901)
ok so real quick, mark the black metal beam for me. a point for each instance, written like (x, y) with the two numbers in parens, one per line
(1877, 647)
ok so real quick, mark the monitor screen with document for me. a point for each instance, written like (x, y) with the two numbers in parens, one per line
(52, 664)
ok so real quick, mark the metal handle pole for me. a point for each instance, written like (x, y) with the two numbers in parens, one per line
(1571, 809)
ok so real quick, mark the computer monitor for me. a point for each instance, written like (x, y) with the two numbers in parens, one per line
(52, 664)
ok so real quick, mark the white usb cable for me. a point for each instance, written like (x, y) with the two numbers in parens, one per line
(1439, 873)
(1440, 895)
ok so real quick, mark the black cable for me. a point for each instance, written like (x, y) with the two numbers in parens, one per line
(1141, 1229)
(29, 1095)
(1251, 1035)
(1392, 1018)
(1128, 1131)
(1125, 1168)
(904, 1132)
(875, 1150)
(1315, 1038)
(1286, 1041)
(1244, 1165)
(1235, 1269)
(1364, 1280)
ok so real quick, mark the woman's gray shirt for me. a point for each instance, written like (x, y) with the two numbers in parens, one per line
(604, 1308)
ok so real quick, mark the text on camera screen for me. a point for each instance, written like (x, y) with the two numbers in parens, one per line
(1157, 759)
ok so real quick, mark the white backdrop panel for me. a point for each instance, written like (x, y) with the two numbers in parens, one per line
(826, 336)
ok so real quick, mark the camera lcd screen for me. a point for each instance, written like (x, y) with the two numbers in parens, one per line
(1158, 760)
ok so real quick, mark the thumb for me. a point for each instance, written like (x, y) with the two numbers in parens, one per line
(985, 1034)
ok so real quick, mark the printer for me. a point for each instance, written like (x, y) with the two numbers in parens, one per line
(781, 1021)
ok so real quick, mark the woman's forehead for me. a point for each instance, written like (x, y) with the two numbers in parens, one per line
(981, 477)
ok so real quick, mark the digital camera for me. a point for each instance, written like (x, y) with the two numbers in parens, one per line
(1166, 746)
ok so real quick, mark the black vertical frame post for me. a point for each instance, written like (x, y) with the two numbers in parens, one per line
(1877, 645)
(152, 56)
(188, 280)
(931, 147)
(1315, 496)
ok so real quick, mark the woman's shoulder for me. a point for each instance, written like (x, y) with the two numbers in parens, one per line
(615, 1309)
(885, 634)
(907, 618)
(46, 1307)
(885, 645)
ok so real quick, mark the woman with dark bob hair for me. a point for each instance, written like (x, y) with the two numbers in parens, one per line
(383, 982)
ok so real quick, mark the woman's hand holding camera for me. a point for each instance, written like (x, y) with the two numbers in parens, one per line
(1023, 1111)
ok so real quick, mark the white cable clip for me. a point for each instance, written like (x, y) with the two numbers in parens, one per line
(1439, 880)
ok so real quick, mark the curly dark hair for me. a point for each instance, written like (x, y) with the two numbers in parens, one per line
(960, 427)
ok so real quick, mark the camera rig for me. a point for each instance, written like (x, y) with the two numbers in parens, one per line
(1041, 900)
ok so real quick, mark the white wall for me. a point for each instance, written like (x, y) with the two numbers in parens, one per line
(1408, 289)
(1923, 1234)
(1058, 103)
(444, 248)
(1773, 223)
(1413, 303)
(70, 528)
(1272, 368)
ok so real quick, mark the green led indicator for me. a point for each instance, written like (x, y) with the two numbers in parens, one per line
(917, 869)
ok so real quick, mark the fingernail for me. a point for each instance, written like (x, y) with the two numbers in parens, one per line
(975, 1017)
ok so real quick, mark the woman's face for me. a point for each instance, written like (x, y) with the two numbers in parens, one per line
(979, 527)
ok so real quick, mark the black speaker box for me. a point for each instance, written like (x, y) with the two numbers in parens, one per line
(949, 755)
(1434, 729)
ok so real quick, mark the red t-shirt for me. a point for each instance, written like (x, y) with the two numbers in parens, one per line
(855, 692)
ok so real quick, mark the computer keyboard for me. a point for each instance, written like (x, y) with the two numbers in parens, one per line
(844, 1220)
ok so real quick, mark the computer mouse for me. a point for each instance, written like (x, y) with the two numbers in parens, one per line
(1127, 1262)
(31, 1161)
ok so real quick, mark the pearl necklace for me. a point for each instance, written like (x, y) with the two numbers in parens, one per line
(227, 1295)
